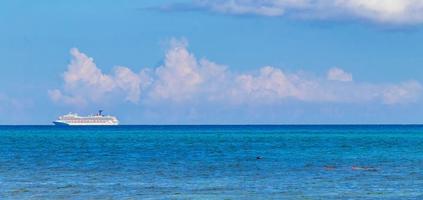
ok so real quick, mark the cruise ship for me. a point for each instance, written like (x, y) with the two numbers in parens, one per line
(99, 119)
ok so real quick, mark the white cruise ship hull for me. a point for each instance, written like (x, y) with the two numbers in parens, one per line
(62, 123)
(83, 124)
(91, 120)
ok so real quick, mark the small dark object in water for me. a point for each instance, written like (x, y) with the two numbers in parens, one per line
(258, 157)
(363, 168)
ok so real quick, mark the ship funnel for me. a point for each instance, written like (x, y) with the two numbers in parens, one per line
(100, 112)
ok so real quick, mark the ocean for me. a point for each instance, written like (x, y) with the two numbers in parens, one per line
(211, 162)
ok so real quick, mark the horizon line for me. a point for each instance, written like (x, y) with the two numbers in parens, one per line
(253, 124)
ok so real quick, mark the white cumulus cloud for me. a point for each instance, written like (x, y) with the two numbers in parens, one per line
(84, 82)
(401, 93)
(183, 78)
(57, 96)
(179, 77)
(337, 74)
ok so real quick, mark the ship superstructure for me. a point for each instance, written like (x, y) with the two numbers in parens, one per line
(99, 119)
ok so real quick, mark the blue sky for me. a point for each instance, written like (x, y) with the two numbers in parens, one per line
(212, 62)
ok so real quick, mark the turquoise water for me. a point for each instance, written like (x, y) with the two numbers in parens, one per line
(211, 162)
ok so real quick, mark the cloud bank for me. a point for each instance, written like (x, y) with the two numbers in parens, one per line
(185, 79)
(397, 12)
